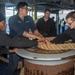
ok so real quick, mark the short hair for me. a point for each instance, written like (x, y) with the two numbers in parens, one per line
(21, 5)
(71, 15)
(46, 10)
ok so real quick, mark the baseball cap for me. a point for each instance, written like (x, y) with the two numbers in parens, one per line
(1, 17)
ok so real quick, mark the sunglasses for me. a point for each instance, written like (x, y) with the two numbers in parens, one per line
(25, 8)
(71, 22)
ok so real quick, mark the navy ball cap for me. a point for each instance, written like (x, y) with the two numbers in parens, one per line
(1, 17)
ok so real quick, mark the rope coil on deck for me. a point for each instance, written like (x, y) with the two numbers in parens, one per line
(66, 46)
(57, 46)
